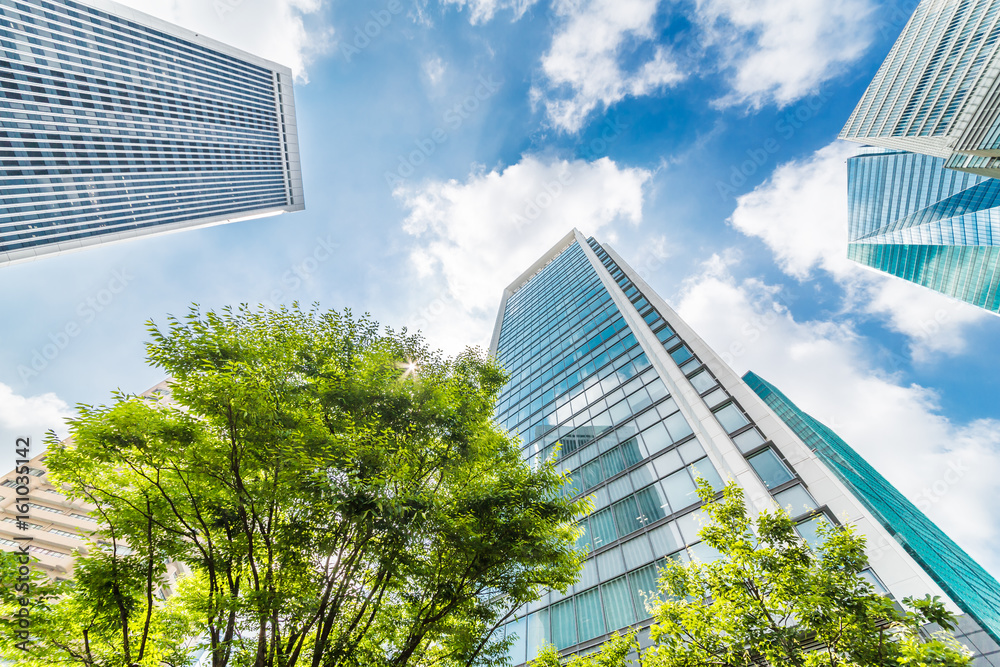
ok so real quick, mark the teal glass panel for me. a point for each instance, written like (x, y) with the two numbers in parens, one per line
(538, 632)
(563, 619)
(645, 589)
(589, 615)
(602, 526)
(617, 604)
(975, 591)
(627, 516)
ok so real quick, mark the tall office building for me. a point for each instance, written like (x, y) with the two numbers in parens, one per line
(116, 124)
(938, 90)
(911, 217)
(642, 406)
(965, 581)
(55, 527)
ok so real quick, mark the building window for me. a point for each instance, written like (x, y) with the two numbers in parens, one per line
(771, 470)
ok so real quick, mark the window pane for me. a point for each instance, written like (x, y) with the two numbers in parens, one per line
(703, 553)
(638, 401)
(643, 475)
(637, 552)
(617, 604)
(563, 624)
(656, 437)
(588, 575)
(702, 381)
(665, 539)
(809, 530)
(613, 463)
(667, 463)
(716, 397)
(517, 650)
(630, 452)
(796, 500)
(731, 418)
(583, 542)
(591, 474)
(610, 563)
(656, 390)
(602, 528)
(681, 354)
(748, 440)
(651, 504)
(627, 516)
(620, 488)
(680, 490)
(691, 451)
(705, 469)
(538, 632)
(677, 426)
(691, 524)
(644, 588)
(589, 619)
(770, 468)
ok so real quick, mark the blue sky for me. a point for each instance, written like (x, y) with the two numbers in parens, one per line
(456, 141)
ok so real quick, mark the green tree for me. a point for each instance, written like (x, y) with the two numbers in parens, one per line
(771, 598)
(340, 493)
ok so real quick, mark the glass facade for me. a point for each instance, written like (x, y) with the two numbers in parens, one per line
(111, 128)
(964, 580)
(586, 350)
(936, 92)
(911, 217)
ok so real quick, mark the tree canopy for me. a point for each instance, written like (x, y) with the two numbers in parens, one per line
(339, 493)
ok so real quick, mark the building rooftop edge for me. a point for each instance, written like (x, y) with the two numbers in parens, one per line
(150, 21)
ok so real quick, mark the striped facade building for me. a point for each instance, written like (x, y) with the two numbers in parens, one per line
(114, 124)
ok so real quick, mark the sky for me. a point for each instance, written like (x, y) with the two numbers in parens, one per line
(447, 144)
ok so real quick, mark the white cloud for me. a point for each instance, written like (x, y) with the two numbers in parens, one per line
(483, 11)
(474, 237)
(434, 69)
(30, 416)
(821, 366)
(782, 50)
(288, 32)
(584, 68)
(800, 212)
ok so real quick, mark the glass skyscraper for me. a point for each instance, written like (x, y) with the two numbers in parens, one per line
(966, 582)
(639, 406)
(117, 125)
(911, 217)
(938, 90)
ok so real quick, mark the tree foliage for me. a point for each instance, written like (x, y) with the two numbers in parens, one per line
(340, 494)
(771, 599)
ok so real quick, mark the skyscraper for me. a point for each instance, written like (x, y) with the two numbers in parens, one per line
(116, 125)
(642, 406)
(911, 217)
(965, 581)
(938, 90)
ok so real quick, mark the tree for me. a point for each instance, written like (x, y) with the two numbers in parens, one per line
(771, 599)
(340, 494)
